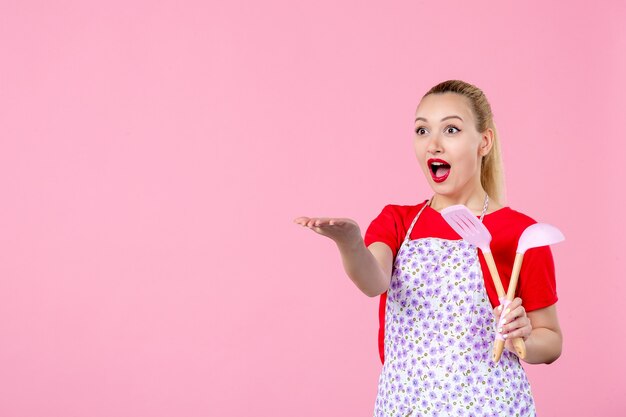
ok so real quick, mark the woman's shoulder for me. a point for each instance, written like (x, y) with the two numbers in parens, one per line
(403, 210)
(405, 207)
(508, 221)
(509, 214)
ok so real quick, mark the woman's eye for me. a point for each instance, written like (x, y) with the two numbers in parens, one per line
(452, 129)
(420, 130)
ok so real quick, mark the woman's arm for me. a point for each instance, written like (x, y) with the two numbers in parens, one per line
(369, 268)
(545, 341)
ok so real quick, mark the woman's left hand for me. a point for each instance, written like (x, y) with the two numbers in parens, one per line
(516, 323)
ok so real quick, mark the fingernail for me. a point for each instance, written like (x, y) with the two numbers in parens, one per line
(504, 336)
(500, 307)
(500, 330)
(507, 311)
(503, 321)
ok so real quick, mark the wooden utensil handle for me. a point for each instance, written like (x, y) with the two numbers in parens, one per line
(517, 266)
(520, 347)
(495, 277)
(498, 347)
(518, 342)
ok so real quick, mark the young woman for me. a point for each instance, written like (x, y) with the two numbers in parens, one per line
(437, 297)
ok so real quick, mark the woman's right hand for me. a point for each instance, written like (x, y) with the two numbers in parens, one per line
(369, 268)
(342, 230)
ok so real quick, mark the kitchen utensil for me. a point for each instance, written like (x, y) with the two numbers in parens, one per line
(534, 236)
(463, 221)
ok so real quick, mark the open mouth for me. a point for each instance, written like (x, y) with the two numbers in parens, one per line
(439, 169)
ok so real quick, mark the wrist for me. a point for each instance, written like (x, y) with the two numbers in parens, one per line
(353, 244)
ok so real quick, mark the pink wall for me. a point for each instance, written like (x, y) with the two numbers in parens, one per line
(154, 154)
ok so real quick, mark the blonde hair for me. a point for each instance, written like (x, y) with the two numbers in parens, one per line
(492, 169)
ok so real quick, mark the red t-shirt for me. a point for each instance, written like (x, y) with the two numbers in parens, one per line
(536, 285)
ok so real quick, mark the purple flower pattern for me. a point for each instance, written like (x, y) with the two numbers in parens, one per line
(439, 329)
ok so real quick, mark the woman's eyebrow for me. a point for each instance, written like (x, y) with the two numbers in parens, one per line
(445, 118)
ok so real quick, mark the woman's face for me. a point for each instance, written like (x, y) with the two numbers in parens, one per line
(448, 146)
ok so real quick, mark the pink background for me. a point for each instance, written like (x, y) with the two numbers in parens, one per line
(154, 154)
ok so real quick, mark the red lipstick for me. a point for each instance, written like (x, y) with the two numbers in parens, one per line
(439, 169)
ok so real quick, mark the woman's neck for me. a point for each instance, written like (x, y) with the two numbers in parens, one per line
(475, 201)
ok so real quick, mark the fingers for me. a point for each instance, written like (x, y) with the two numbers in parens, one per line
(497, 312)
(514, 322)
(318, 222)
(516, 303)
(321, 225)
(510, 312)
(342, 230)
(301, 220)
(520, 327)
(311, 222)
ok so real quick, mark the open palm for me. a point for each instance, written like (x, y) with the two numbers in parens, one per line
(341, 230)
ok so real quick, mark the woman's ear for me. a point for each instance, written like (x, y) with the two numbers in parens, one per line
(486, 142)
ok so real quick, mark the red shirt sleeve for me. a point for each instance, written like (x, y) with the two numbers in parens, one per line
(384, 228)
(391, 225)
(537, 283)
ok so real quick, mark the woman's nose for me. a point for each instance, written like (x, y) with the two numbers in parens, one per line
(434, 145)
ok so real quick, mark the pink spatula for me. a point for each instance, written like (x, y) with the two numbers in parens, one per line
(463, 221)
